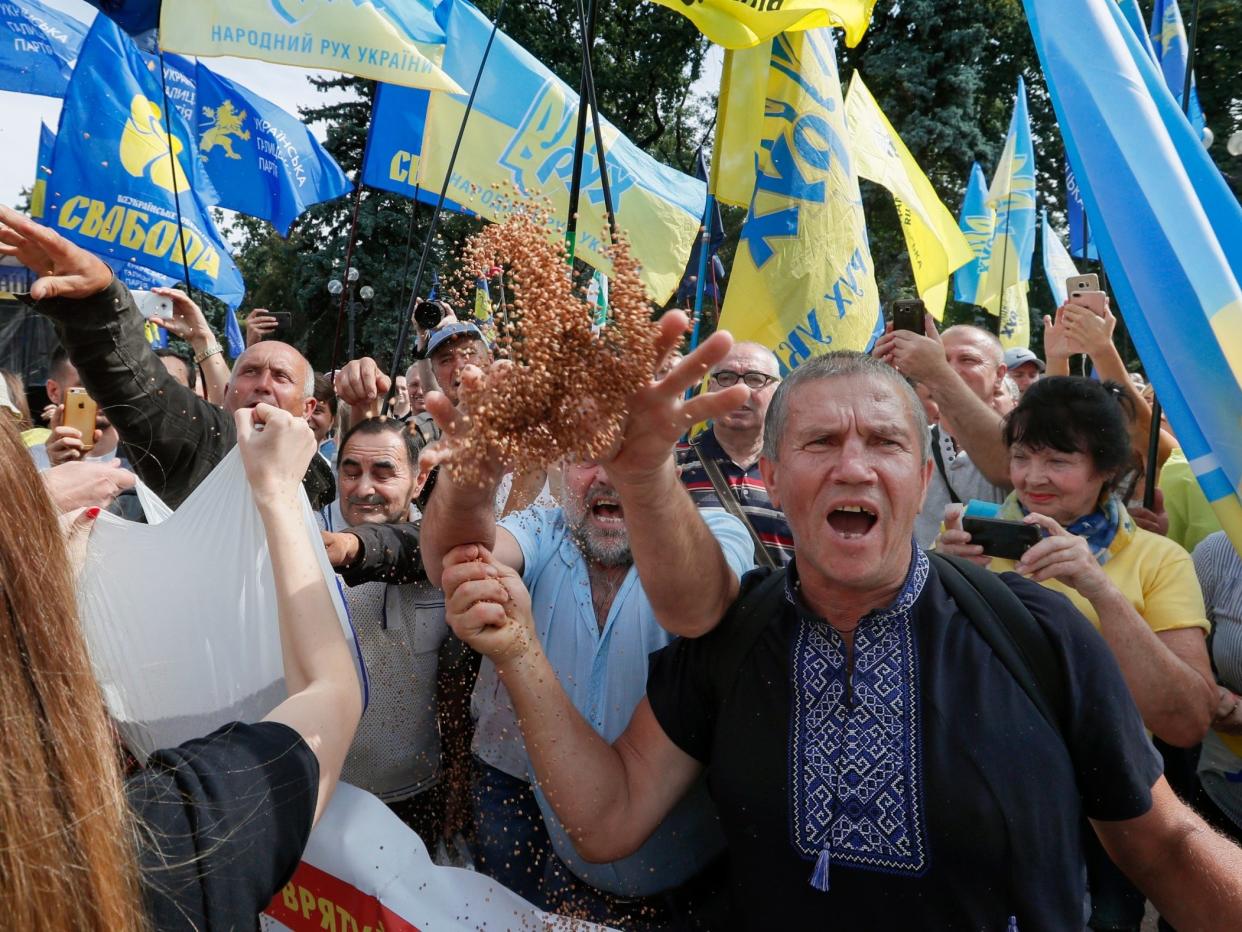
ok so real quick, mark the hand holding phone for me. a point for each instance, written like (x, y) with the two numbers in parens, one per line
(1085, 291)
(80, 414)
(908, 314)
(998, 537)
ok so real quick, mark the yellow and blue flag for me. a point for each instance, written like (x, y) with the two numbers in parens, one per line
(1005, 276)
(395, 145)
(1058, 265)
(38, 48)
(933, 241)
(743, 25)
(43, 172)
(262, 160)
(977, 221)
(519, 142)
(1166, 224)
(803, 282)
(119, 176)
(1168, 40)
(739, 123)
(397, 41)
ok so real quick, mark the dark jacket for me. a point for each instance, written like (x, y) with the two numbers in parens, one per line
(174, 439)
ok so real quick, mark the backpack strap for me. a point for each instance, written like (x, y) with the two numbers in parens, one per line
(938, 454)
(746, 621)
(1011, 631)
(730, 504)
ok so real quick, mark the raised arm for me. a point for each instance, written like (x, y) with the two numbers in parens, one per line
(189, 324)
(168, 430)
(325, 701)
(609, 798)
(668, 537)
(975, 425)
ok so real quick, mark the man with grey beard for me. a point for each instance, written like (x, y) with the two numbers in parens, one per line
(625, 557)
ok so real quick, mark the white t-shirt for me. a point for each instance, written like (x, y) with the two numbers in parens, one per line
(967, 481)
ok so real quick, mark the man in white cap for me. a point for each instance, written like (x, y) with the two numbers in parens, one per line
(1025, 368)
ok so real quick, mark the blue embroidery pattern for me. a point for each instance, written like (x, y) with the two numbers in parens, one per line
(855, 759)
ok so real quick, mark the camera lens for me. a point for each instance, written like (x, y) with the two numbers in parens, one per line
(427, 314)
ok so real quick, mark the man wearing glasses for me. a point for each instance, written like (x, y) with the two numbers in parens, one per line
(720, 467)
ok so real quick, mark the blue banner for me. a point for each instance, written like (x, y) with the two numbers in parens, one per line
(38, 48)
(1082, 245)
(1168, 39)
(395, 144)
(43, 172)
(1168, 229)
(262, 160)
(134, 16)
(118, 189)
(976, 221)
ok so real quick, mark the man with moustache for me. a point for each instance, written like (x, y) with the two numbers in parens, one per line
(625, 557)
(722, 463)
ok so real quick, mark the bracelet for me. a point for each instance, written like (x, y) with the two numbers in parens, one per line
(207, 354)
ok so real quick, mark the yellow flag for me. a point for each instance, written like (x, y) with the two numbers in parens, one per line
(803, 282)
(935, 243)
(740, 24)
(396, 44)
(739, 123)
(1015, 317)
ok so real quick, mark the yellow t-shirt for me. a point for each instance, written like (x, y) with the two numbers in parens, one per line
(1156, 576)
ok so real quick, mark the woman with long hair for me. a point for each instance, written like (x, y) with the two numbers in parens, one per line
(207, 833)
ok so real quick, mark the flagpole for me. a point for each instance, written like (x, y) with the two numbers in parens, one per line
(403, 330)
(1157, 412)
(353, 230)
(575, 182)
(409, 247)
(699, 285)
(600, 155)
(185, 262)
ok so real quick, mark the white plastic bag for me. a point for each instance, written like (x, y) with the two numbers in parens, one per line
(180, 616)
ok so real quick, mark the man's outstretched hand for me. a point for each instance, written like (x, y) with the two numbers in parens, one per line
(63, 270)
(658, 414)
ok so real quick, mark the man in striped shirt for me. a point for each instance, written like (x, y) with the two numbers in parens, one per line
(734, 442)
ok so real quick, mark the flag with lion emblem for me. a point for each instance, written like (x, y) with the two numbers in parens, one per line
(122, 170)
(261, 159)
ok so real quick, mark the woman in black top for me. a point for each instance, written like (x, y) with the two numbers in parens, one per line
(208, 832)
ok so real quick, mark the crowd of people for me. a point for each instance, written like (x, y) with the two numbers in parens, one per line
(744, 676)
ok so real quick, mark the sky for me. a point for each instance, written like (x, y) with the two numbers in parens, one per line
(283, 85)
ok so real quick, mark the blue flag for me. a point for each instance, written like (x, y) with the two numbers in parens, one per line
(43, 172)
(395, 144)
(1082, 245)
(1058, 266)
(977, 221)
(134, 16)
(38, 48)
(115, 175)
(715, 238)
(1167, 226)
(1168, 39)
(262, 160)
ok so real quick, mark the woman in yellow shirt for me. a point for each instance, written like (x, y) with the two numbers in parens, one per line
(1069, 447)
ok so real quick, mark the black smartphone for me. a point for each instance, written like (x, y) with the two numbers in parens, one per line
(908, 314)
(999, 538)
(284, 321)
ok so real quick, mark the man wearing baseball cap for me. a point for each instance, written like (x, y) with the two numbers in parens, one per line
(1025, 367)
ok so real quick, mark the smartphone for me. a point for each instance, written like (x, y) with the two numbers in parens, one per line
(152, 305)
(284, 321)
(908, 314)
(1000, 538)
(80, 413)
(1085, 290)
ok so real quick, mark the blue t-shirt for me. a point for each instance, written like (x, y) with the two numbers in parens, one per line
(605, 675)
(923, 782)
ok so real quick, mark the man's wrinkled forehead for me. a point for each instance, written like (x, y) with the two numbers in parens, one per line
(849, 402)
(273, 354)
(374, 450)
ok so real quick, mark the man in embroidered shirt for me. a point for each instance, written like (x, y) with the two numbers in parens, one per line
(875, 765)
(609, 572)
(733, 443)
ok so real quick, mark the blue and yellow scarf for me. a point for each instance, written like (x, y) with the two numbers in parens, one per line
(1107, 529)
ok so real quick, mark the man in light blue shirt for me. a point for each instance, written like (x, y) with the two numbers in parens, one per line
(625, 564)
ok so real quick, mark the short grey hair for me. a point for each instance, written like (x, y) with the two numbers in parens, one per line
(308, 383)
(838, 365)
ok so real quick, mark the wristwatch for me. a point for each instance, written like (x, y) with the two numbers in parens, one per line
(211, 350)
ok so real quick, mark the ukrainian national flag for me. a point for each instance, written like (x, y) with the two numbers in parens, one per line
(1166, 224)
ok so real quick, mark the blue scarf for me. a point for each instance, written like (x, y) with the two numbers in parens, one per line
(1107, 530)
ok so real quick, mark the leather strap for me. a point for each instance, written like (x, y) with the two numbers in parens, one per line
(724, 492)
